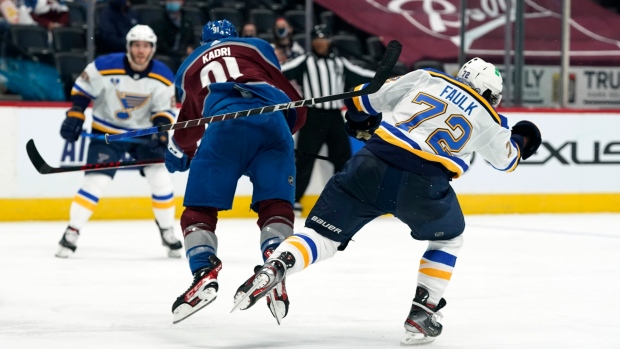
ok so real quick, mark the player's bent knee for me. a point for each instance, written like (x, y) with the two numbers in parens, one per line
(275, 211)
(199, 215)
(452, 245)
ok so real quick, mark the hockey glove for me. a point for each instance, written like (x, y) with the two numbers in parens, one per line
(531, 137)
(176, 159)
(362, 130)
(72, 126)
(159, 141)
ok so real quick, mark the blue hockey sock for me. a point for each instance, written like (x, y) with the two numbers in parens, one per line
(199, 257)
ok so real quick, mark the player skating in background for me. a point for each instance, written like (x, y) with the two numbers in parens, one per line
(227, 74)
(434, 125)
(129, 91)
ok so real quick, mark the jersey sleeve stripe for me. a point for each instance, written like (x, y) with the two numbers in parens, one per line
(513, 165)
(160, 78)
(367, 106)
(165, 114)
(100, 125)
(80, 91)
(112, 72)
(472, 92)
(357, 101)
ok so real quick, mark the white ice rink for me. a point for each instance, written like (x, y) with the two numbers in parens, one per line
(521, 281)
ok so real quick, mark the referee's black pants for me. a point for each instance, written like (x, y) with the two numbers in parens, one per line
(322, 126)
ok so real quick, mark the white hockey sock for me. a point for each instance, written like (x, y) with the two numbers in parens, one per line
(161, 186)
(308, 247)
(436, 266)
(86, 200)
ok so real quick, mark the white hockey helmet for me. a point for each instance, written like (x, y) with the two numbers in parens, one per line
(141, 32)
(484, 78)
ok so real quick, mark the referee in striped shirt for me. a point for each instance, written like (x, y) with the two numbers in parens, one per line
(322, 73)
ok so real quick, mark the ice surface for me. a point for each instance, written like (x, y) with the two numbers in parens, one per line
(521, 281)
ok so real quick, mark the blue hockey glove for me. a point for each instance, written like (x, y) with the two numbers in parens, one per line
(72, 126)
(176, 159)
(362, 130)
(530, 135)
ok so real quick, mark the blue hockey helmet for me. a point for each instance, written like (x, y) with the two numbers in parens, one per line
(215, 30)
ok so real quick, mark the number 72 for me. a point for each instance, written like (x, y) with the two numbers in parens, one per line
(441, 140)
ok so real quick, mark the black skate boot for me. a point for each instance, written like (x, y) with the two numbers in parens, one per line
(201, 293)
(68, 243)
(422, 324)
(170, 241)
(268, 280)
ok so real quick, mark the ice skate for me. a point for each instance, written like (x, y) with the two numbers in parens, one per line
(68, 243)
(201, 293)
(422, 324)
(267, 281)
(172, 244)
(277, 298)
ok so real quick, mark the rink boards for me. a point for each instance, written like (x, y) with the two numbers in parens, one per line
(575, 170)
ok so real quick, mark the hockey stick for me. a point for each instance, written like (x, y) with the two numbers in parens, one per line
(102, 138)
(43, 168)
(386, 65)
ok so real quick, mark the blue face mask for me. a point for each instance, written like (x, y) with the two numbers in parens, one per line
(173, 6)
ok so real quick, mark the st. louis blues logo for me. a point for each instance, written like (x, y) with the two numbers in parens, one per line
(130, 102)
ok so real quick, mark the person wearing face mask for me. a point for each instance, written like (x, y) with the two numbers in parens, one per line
(175, 33)
(114, 24)
(283, 39)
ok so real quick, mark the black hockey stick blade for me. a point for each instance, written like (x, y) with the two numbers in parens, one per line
(389, 60)
(39, 164)
(43, 168)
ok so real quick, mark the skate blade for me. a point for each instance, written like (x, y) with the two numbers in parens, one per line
(415, 338)
(185, 310)
(63, 252)
(272, 306)
(264, 279)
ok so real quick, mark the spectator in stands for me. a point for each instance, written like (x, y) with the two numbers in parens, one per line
(249, 30)
(49, 14)
(283, 39)
(175, 32)
(114, 24)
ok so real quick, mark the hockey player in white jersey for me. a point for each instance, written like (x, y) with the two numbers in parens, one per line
(128, 91)
(432, 124)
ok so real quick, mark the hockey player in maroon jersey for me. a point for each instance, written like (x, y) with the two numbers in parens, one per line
(227, 74)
